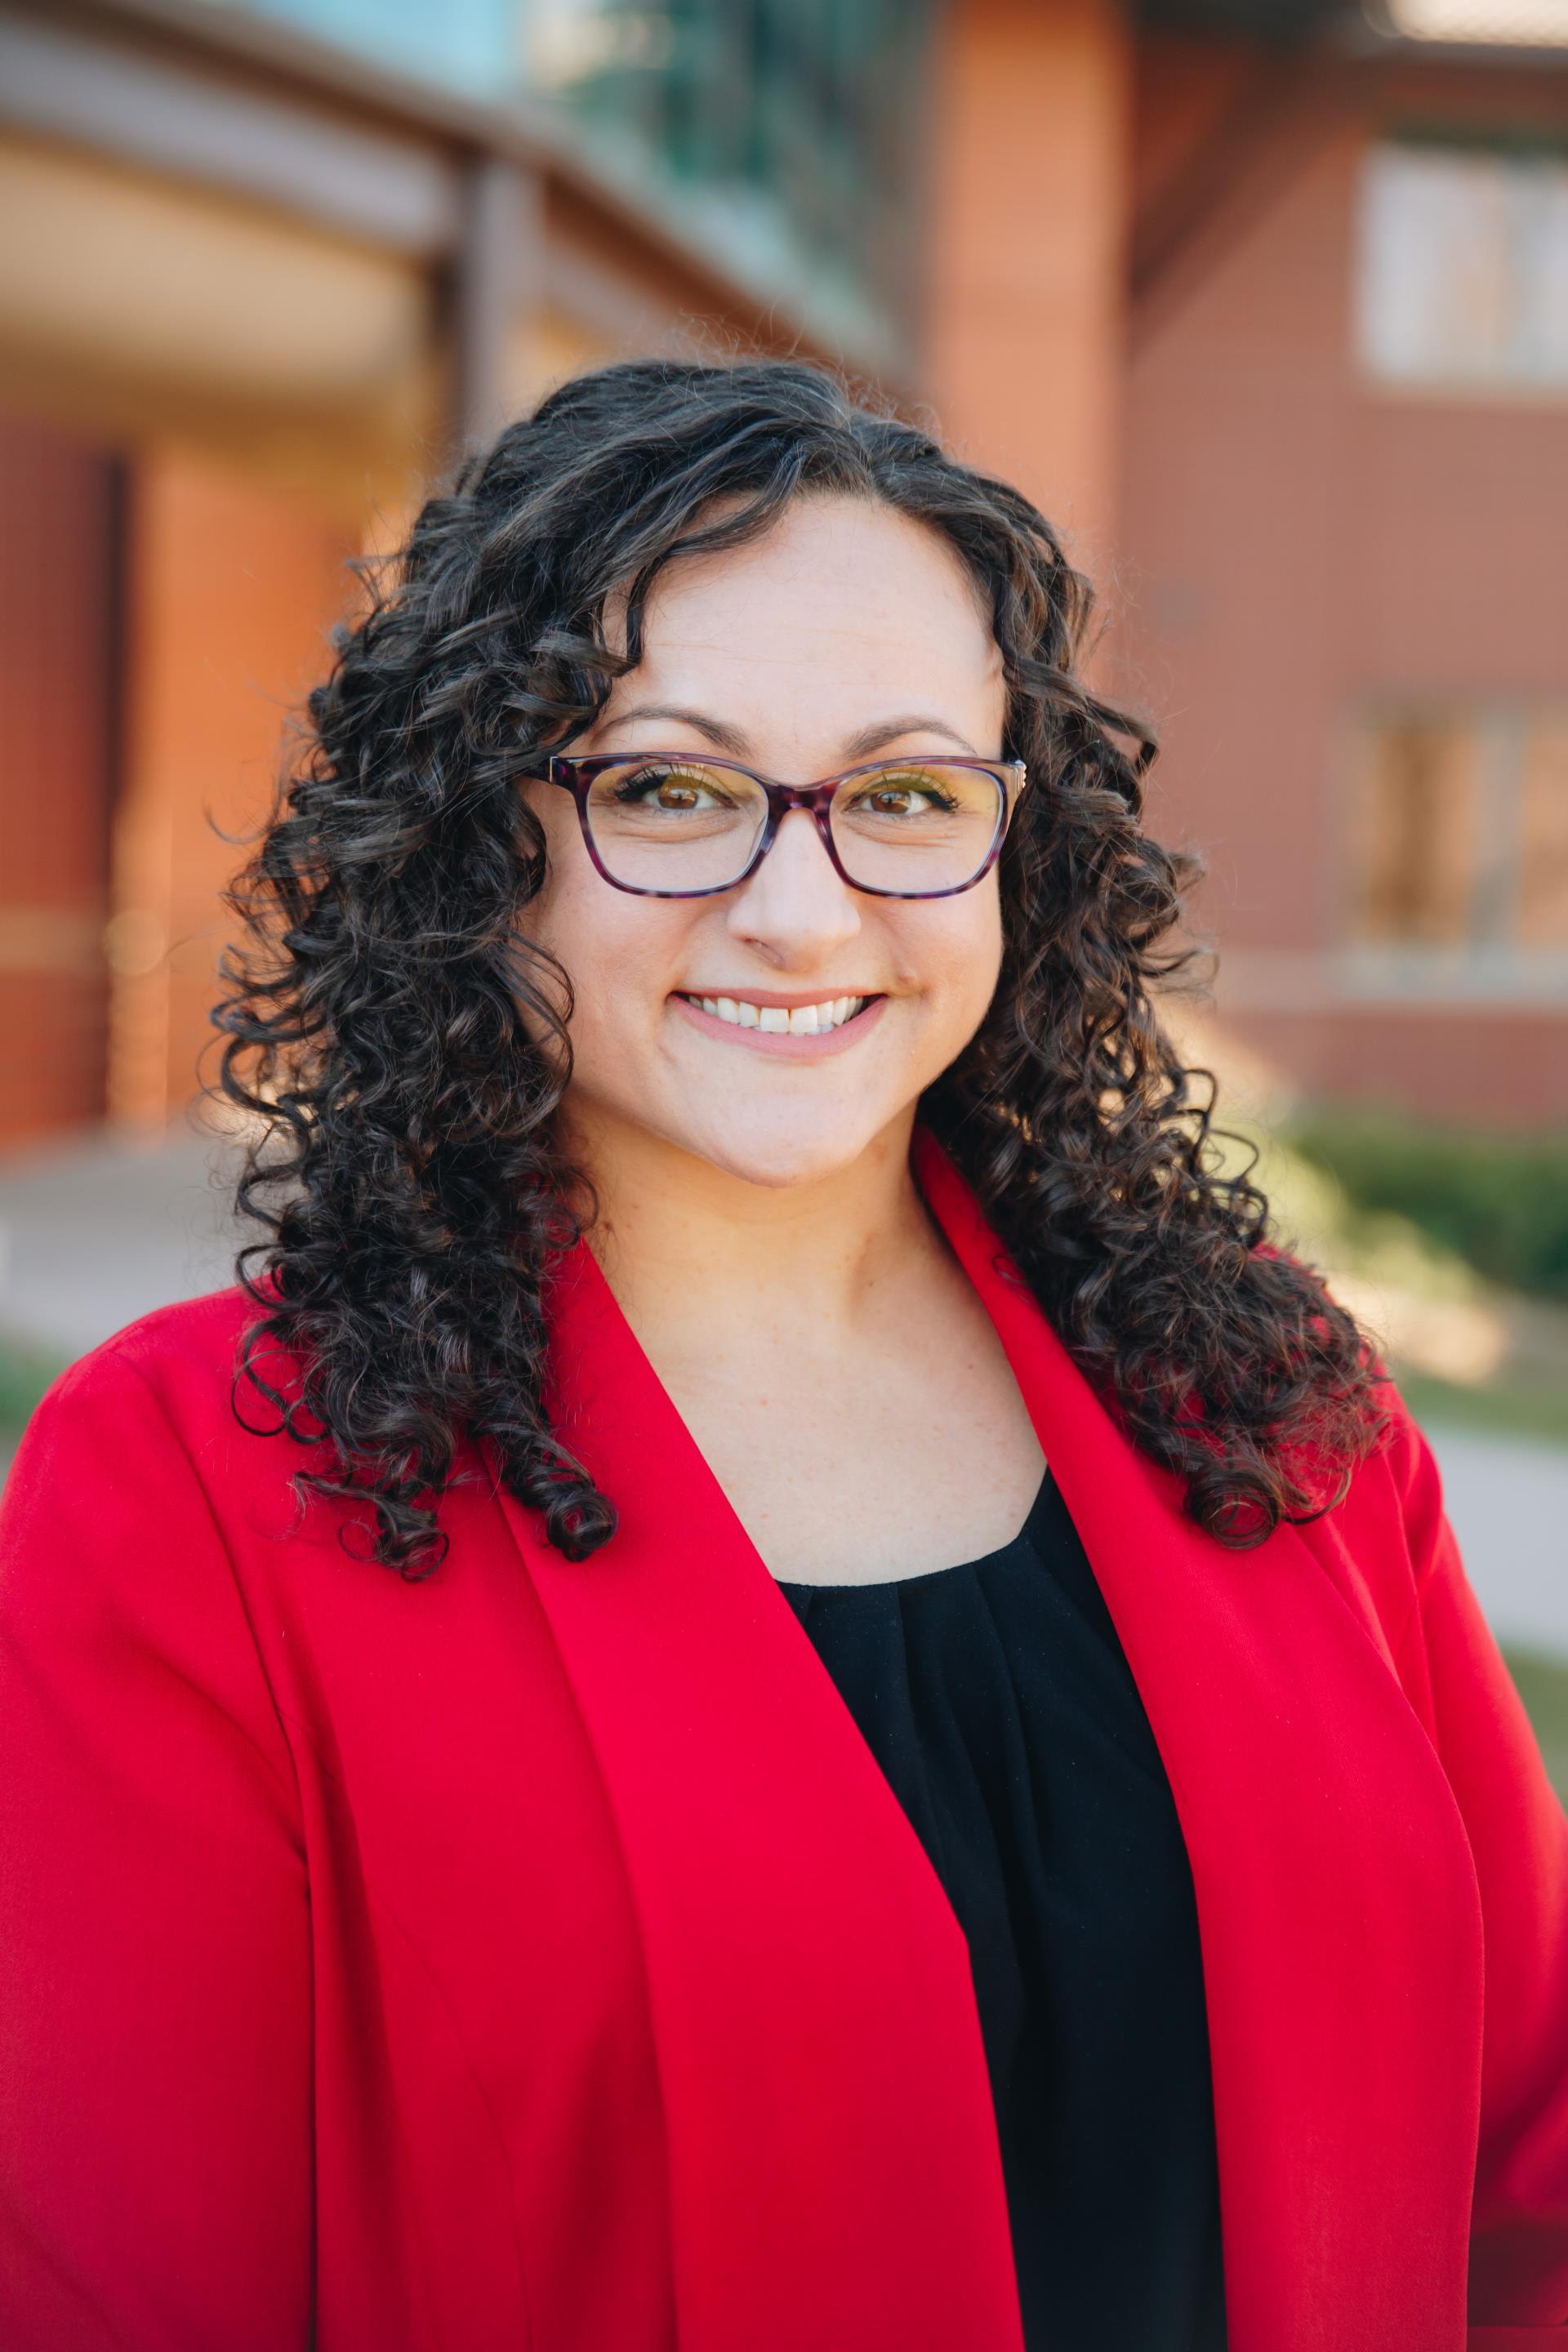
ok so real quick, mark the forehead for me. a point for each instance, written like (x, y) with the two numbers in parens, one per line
(846, 594)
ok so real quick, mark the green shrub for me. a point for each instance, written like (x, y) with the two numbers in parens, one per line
(1499, 1201)
(1541, 1683)
(25, 1371)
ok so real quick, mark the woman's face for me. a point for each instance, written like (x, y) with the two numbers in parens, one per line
(846, 631)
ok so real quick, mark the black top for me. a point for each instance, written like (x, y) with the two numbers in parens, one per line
(997, 1700)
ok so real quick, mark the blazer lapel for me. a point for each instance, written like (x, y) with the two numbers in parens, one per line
(828, 2115)
(833, 2160)
(1337, 1900)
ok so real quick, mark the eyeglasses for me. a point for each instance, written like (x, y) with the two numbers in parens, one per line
(663, 825)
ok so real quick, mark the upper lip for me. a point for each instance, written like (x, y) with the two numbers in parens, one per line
(790, 1000)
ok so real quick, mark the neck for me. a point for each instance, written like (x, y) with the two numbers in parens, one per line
(682, 1241)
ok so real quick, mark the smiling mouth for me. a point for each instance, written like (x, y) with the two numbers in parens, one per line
(779, 1020)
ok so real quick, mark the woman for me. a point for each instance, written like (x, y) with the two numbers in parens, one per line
(745, 1881)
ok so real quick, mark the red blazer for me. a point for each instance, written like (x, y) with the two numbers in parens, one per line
(536, 1956)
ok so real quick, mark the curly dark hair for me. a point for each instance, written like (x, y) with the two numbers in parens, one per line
(405, 1047)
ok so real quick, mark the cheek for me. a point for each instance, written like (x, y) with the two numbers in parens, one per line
(623, 955)
(957, 957)
(576, 917)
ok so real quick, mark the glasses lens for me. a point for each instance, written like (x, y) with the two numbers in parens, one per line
(674, 825)
(916, 827)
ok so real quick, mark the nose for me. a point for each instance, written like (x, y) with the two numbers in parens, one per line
(794, 909)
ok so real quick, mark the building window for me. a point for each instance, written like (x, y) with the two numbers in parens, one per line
(1457, 844)
(787, 136)
(472, 46)
(1463, 267)
(799, 129)
(1487, 24)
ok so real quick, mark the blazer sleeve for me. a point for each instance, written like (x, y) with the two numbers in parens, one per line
(1519, 1837)
(156, 2100)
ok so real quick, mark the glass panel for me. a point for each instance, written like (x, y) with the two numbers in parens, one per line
(1544, 834)
(796, 123)
(471, 44)
(1543, 324)
(1463, 275)
(1532, 24)
(675, 826)
(917, 825)
(1434, 264)
(792, 129)
(1413, 861)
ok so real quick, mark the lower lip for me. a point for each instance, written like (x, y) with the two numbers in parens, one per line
(780, 1045)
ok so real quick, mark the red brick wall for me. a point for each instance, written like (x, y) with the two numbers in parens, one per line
(57, 603)
(1296, 539)
(1027, 202)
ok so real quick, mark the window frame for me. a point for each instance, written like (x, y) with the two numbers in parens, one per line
(1491, 964)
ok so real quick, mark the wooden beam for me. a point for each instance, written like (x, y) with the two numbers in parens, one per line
(499, 281)
(185, 124)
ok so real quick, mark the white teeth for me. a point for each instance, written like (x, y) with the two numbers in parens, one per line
(779, 1020)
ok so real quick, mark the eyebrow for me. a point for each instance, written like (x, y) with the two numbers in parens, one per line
(733, 740)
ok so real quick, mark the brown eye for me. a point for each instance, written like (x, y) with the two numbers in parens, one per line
(907, 794)
(678, 792)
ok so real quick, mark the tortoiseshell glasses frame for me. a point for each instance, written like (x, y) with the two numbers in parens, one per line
(578, 776)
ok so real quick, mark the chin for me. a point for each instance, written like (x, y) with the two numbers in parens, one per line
(794, 1147)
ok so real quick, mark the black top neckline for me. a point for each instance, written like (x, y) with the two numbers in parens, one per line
(1028, 1533)
(1001, 1707)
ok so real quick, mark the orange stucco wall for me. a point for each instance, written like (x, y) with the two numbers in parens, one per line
(1027, 197)
(232, 589)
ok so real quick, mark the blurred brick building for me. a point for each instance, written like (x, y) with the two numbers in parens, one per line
(1264, 302)
(1269, 303)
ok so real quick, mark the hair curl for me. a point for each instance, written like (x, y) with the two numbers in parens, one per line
(384, 1014)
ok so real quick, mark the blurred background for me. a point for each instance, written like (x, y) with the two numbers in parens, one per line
(1264, 302)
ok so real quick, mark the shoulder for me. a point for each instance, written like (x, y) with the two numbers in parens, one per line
(121, 1597)
(163, 1388)
(194, 1334)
